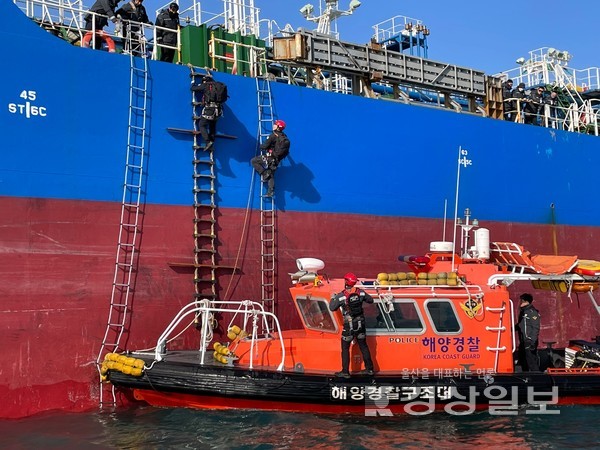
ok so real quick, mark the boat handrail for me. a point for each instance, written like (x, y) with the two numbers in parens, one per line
(205, 308)
(408, 291)
(243, 304)
(512, 324)
(509, 278)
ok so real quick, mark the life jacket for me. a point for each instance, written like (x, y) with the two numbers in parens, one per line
(354, 302)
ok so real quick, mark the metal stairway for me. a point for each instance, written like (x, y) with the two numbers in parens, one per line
(130, 226)
(268, 264)
(205, 234)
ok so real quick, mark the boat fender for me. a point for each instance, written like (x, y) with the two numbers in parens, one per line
(233, 332)
(138, 364)
(85, 43)
(585, 287)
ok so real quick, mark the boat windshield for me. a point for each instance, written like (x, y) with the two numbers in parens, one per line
(315, 314)
(405, 318)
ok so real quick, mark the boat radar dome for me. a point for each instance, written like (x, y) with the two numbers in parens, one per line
(310, 264)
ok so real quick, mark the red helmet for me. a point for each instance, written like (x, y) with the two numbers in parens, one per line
(350, 279)
(280, 124)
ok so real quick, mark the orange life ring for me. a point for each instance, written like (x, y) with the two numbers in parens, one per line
(105, 37)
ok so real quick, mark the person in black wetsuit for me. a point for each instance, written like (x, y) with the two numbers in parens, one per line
(528, 328)
(351, 300)
(277, 147)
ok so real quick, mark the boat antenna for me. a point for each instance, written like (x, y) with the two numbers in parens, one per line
(328, 15)
(462, 161)
(445, 218)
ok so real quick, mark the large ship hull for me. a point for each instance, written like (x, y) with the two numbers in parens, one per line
(363, 175)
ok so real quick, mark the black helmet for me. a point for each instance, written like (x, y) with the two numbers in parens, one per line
(521, 85)
(526, 298)
(509, 81)
(174, 6)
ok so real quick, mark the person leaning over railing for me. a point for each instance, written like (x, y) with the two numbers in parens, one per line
(134, 14)
(103, 11)
(534, 106)
(520, 95)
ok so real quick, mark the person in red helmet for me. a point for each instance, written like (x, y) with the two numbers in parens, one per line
(275, 148)
(350, 301)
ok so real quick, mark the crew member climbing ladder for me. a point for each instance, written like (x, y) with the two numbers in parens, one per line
(267, 207)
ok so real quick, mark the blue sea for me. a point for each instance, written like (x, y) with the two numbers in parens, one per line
(155, 428)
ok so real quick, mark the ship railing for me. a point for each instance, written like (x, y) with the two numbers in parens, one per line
(58, 16)
(252, 312)
(272, 30)
(392, 27)
(581, 80)
(256, 60)
(576, 118)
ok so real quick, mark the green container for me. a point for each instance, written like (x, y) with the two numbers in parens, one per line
(227, 57)
(194, 46)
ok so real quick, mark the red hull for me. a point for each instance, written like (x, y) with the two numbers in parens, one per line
(57, 262)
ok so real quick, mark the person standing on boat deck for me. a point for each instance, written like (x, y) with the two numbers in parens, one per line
(529, 330)
(134, 13)
(277, 147)
(351, 300)
(101, 8)
(168, 18)
(509, 105)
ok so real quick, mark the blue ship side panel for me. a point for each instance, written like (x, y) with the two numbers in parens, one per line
(348, 155)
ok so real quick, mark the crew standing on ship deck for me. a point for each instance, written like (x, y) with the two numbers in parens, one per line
(529, 330)
(168, 18)
(101, 8)
(509, 105)
(350, 300)
(519, 93)
(134, 13)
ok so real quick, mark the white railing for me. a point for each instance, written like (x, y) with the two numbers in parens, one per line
(396, 25)
(547, 66)
(252, 312)
(576, 118)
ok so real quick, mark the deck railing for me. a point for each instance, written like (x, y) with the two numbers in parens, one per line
(252, 313)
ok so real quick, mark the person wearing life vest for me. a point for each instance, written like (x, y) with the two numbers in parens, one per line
(276, 147)
(528, 328)
(211, 111)
(350, 302)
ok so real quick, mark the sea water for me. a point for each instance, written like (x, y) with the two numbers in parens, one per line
(574, 427)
